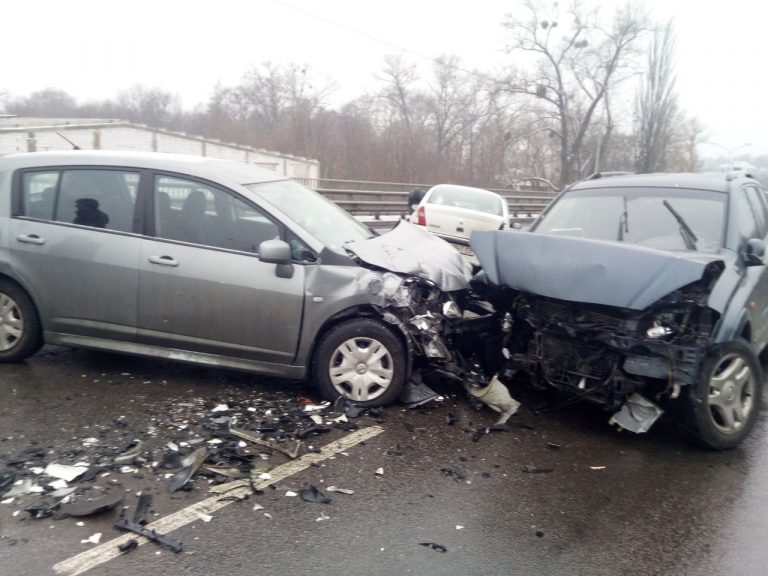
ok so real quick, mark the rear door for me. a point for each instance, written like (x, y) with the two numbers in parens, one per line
(754, 224)
(202, 287)
(73, 244)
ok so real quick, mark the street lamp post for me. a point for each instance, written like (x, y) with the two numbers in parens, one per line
(730, 151)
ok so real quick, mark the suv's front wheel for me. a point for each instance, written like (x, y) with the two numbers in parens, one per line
(362, 360)
(722, 406)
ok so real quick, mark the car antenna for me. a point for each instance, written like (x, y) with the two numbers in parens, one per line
(74, 146)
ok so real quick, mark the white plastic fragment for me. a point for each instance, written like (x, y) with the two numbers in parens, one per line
(127, 469)
(242, 444)
(597, 467)
(92, 539)
(64, 472)
(58, 484)
(215, 441)
(265, 476)
(258, 507)
(204, 517)
(341, 490)
(459, 527)
(291, 493)
(316, 418)
(323, 516)
(379, 471)
(63, 492)
(7, 501)
(220, 408)
(79, 523)
(268, 515)
(90, 441)
(37, 470)
(172, 446)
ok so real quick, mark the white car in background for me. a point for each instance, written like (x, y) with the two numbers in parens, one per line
(453, 212)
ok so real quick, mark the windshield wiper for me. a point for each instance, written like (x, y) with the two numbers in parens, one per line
(623, 221)
(689, 237)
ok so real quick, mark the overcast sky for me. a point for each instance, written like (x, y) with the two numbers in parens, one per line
(92, 49)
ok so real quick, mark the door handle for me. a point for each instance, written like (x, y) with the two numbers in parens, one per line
(164, 260)
(30, 239)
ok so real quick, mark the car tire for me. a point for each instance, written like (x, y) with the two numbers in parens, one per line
(722, 406)
(362, 360)
(20, 332)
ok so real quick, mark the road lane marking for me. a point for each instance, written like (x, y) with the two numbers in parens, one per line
(107, 551)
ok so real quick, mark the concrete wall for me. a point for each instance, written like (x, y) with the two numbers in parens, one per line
(139, 138)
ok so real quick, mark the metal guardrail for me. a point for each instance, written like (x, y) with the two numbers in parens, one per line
(390, 199)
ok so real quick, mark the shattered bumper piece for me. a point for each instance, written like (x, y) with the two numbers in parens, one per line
(90, 507)
(637, 414)
(495, 396)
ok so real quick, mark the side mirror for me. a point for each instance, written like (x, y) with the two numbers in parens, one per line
(278, 252)
(754, 252)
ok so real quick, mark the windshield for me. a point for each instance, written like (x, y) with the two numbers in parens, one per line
(641, 216)
(317, 215)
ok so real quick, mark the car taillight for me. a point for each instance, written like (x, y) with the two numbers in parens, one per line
(421, 217)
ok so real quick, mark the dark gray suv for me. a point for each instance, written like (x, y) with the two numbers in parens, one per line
(641, 289)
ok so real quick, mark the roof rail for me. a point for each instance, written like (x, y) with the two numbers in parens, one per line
(598, 175)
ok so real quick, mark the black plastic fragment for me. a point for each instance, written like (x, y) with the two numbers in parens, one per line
(346, 406)
(312, 430)
(6, 481)
(140, 515)
(531, 469)
(42, 510)
(173, 545)
(450, 419)
(312, 494)
(455, 472)
(127, 546)
(171, 460)
(434, 546)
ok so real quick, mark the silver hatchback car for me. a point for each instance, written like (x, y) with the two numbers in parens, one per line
(219, 263)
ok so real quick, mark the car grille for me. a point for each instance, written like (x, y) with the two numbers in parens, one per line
(557, 312)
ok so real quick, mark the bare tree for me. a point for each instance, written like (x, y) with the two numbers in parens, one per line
(152, 106)
(656, 107)
(49, 102)
(574, 69)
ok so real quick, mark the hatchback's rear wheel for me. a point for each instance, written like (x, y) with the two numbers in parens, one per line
(20, 333)
(722, 406)
(362, 360)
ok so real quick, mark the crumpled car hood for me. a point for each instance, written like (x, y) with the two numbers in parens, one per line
(583, 270)
(410, 249)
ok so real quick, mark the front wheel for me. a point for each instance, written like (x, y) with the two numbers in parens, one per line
(722, 406)
(362, 360)
(20, 333)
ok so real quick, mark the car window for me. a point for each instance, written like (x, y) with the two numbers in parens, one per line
(639, 216)
(756, 199)
(38, 194)
(746, 220)
(469, 199)
(190, 211)
(97, 198)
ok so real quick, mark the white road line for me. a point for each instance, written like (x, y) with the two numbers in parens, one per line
(105, 552)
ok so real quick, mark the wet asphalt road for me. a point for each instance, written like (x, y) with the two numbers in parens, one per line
(602, 502)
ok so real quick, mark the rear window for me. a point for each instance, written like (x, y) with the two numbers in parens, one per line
(469, 199)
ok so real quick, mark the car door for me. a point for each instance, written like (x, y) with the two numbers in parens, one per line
(73, 244)
(202, 287)
(756, 211)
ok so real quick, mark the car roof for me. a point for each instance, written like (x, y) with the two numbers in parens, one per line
(714, 181)
(200, 166)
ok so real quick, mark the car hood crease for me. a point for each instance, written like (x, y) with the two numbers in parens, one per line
(585, 270)
(409, 249)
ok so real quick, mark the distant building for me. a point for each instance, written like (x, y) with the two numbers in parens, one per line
(20, 134)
